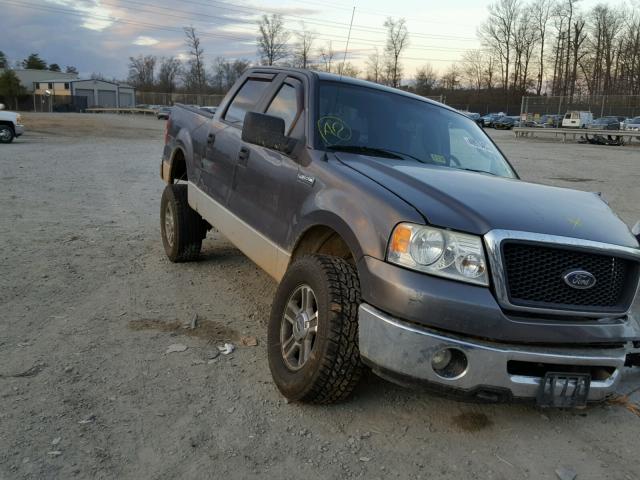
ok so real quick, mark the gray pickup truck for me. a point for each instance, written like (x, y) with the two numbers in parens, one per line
(402, 239)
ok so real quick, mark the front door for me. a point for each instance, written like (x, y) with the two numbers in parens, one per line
(265, 178)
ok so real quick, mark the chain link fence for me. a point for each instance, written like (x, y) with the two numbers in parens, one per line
(52, 103)
(627, 106)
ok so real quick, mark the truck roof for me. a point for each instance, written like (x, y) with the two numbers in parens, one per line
(348, 80)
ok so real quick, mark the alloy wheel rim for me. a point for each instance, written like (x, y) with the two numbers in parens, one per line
(5, 134)
(169, 225)
(299, 327)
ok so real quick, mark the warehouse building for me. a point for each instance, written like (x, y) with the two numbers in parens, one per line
(29, 78)
(98, 93)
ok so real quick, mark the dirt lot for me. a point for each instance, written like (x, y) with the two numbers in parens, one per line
(89, 305)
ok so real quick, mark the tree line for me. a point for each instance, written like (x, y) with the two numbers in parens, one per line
(555, 47)
(275, 46)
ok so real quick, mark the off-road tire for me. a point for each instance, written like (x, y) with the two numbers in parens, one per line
(188, 227)
(7, 137)
(334, 366)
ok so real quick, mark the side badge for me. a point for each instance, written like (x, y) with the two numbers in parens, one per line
(306, 179)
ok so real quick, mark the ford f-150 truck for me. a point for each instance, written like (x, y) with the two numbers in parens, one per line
(402, 240)
(10, 125)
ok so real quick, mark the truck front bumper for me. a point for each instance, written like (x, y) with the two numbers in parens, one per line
(19, 130)
(404, 352)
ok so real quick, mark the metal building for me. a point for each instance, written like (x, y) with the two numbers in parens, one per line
(102, 93)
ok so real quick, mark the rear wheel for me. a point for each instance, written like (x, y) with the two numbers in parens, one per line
(182, 227)
(6, 134)
(313, 331)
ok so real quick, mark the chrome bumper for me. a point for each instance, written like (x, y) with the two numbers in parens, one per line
(392, 346)
(19, 129)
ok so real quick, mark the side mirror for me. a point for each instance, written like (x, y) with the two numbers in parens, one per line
(636, 230)
(266, 131)
(1, 106)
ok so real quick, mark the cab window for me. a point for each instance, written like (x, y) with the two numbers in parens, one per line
(246, 100)
(285, 105)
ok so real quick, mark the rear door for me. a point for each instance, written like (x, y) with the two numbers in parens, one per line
(265, 178)
(224, 145)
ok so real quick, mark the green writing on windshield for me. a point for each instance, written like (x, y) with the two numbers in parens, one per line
(333, 130)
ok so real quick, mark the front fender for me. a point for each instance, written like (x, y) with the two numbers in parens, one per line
(360, 211)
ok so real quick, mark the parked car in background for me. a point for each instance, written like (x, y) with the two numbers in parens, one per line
(487, 120)
(473, 116)
(209, 109)
(550, 121)
(577, 119)
(505, 123)
(163, 113)
(605, 123)
(632, 124)
(10, 125)
(621, 119)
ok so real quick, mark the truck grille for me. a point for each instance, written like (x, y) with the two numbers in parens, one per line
(535, 278)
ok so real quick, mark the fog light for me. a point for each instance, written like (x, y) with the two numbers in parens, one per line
(449, 363)
(441, 359)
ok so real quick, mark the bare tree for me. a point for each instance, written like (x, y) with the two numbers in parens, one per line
(473, 68)
(327, 54)
(451, 78)
(426, 80)
(168, 73)
(397, 42)
(226, 73)
(272, 39)
(195, 76)
(303, 48)
(541, 11)
(497, 34)
(348, 69)
(374, 67)
(142, 71)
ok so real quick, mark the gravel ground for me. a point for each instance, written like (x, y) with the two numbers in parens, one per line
(90, 304)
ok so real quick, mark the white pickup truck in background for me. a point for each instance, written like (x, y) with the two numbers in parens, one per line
(10, 125)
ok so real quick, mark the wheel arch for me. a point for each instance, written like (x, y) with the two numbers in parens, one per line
(9, 124)
(178, 165)
(326, 233)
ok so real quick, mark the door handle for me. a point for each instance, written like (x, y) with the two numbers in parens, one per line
(243, 156)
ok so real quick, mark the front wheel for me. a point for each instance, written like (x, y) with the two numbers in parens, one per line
(6, 134)
(313, 331)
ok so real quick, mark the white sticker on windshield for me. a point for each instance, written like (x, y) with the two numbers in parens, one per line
(475, 143)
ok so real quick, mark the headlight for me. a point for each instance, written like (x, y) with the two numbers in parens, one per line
(18, 118)
(439, 252)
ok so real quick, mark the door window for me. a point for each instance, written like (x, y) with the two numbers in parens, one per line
(285, 106)
(246, 100)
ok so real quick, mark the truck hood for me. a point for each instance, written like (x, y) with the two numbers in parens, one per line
(477, 202)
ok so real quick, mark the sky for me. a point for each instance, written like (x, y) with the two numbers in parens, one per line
(98, 36)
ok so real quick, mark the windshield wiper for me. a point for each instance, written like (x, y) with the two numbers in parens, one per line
(475, 170)
(380, 152)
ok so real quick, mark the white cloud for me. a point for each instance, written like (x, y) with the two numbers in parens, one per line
(145, 41)
(97, 17)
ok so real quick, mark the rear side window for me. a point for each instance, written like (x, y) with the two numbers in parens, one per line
(285, 106)
(246, 100)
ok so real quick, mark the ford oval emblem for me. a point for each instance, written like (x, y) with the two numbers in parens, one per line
(579, 279)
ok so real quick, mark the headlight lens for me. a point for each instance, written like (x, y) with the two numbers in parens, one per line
(459, 256)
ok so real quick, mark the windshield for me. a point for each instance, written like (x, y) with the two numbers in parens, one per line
(393, 126)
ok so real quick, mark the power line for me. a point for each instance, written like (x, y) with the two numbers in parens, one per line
(153, 26)
(332, 24)
(357, 41)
